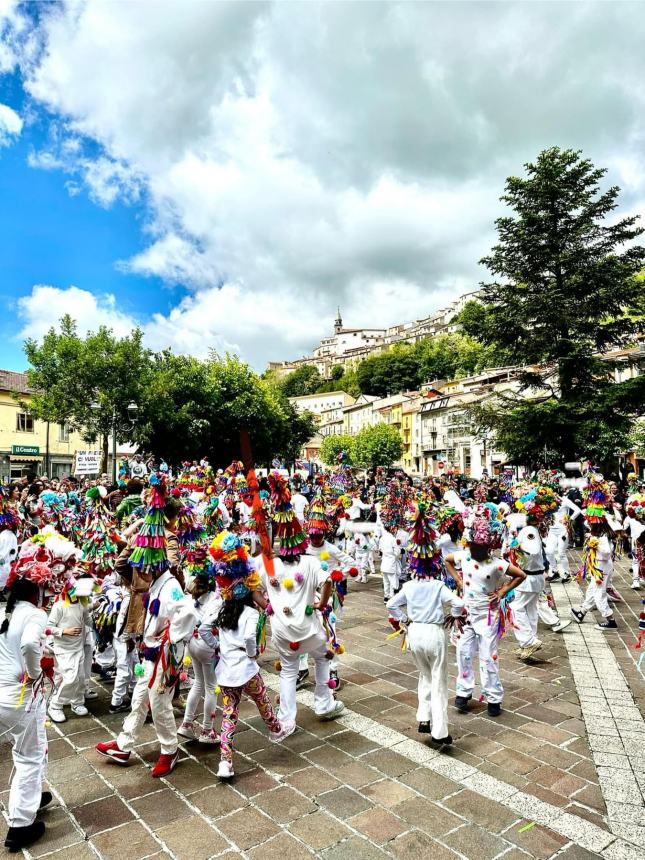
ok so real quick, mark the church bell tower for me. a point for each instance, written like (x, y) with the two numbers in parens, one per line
(338, 324)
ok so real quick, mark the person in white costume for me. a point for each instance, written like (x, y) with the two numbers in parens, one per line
(634, 527)
(391, 561)
(70, 621)
(557, 541)
(365, 545)
(598, 565)
(425, 601)
(530, 557)
(169, 622)
(22, 711)
(484, 581)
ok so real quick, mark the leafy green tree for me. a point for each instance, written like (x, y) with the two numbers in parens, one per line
(303, 380)
(88, 381)
(347, 382)
(333, 445)
(337, 372)
(566, 291)
(378, 445)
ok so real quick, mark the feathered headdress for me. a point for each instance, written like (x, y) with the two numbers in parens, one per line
(317, 521)
(596, 498)
(425, 559)
(487, 526)
(150, 549)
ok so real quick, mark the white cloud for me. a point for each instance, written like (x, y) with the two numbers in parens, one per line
(309, 155)
(45, 305)
(10, 125)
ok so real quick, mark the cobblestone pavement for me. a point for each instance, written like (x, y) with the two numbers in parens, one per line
(560, 773)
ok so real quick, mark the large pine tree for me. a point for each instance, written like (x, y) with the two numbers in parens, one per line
(566, 292)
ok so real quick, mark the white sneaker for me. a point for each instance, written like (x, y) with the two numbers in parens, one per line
(208, 736)
(336, 711)
(562, 623)
(635, 586)
(288, 728)
(57, 715)
(80, 710)
(187, 730)
(225, 770)
(90, 694)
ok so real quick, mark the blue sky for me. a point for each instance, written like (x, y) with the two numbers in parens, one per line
(48, 236)
(226, 174)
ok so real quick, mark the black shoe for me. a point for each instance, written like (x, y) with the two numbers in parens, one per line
(441, 742)
(22, 837)
(333, 676)
(301, 680)
(553, 578)
(494, 709)
(578, 616)
(119, 709)
(424, 728)
(607, 624)
(45, 799)
(461, 703)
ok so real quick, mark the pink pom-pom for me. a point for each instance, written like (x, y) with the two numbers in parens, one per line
(268, 609)
(299, 578)
(48, 631)
(332, 683)
(183, 677)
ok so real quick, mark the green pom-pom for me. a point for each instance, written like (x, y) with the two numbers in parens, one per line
(309, 610)
(139, 671)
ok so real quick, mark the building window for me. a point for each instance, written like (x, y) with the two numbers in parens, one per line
(24, 423)
(63, 433)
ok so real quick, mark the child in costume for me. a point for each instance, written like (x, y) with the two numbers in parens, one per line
(485, 581)
(426, 599)
(634, 526)
(529, 554)
(202, 653)
(237, 668)
(597, 555)
(23, 668)
(291, 583)
(392, 551)
(365, 546)
(169, 621)
(71, 623)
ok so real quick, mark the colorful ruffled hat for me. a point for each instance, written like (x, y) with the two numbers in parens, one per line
(596, 498)
(189, 528)
(425, 559)
(289, 532)
(230, 565)
(448, 519)
(317, 521)
(635, 507)
(487, 527)
(149, 552)
(47, 559)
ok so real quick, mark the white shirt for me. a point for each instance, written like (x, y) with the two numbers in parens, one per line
(299, 504)
(480, 578)
(337, 558)
(297, 624)
(390, 547)
(176, 611)
(238, 650)
(63, 615)
(447, 545)
(354, 510)
(21, 648)
(138, 470)
(424, 600)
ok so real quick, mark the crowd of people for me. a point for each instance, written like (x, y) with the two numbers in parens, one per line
(164, 587)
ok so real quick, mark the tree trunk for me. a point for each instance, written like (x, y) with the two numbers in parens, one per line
(104, 453)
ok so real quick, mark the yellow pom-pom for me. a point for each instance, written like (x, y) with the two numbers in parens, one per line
(277, 666)
(187, 660)
(48, 724)
(218, 690)
(288, 583)
(324, 555)
(340, 649)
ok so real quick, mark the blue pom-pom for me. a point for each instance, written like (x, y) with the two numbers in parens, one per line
(155, 606)
(324, 565)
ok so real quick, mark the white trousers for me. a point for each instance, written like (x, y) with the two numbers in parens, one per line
(636, 574)
(364, 563)
(70, 668)
(596, 597)
(555, 548)
(203, 687)
(525, 615)
(125, 662)
(390, 583)
(316, 646)
(25, 731)
(546, 615)
(303, 663)
(479, 639)
(427, 643)
(163, 716)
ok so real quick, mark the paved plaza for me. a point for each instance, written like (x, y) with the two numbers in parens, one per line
(560, 773)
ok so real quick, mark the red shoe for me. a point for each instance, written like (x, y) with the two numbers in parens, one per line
(110, 749)
(165, 765)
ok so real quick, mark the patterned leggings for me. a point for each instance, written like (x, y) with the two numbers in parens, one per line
(230, 712)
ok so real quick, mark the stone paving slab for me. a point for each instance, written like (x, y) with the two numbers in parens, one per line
(365, 786)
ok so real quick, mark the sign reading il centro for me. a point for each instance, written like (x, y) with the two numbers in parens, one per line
(25, 450)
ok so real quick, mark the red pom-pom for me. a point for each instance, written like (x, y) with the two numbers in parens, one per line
(337, 576)
(294, 646)
(353, 571)
(398, 542)
(183, 677)
(357, 541)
